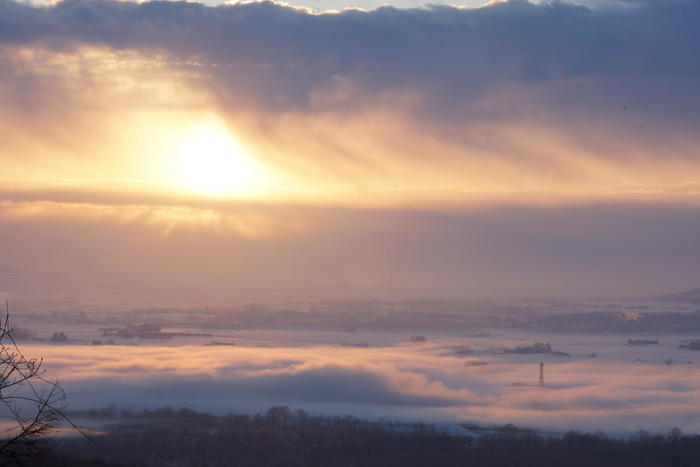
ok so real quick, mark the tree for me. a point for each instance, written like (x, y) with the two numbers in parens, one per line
(29, 403)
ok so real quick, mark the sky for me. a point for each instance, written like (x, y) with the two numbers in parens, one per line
(182, 154)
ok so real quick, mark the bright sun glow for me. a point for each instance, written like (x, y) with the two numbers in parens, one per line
(214, 163)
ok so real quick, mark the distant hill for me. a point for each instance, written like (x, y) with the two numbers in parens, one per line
(689, 296)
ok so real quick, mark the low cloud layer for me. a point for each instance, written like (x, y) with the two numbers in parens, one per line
(403, 382)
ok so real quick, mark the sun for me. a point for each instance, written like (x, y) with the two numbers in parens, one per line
(213, 163)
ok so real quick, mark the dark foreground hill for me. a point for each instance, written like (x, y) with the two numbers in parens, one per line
(282, 437)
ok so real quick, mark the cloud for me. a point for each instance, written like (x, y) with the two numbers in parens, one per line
(443, 103)
(244, 222)
(304, 376)
(401, 382)
(452, 54)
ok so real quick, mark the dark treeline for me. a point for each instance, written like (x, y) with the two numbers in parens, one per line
(282, 437)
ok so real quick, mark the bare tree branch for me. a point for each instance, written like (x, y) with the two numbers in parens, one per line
(30, 404)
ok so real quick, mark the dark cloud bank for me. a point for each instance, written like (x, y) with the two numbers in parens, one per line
(642, 55)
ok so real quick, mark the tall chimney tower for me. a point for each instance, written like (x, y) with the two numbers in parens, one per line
(541, 373)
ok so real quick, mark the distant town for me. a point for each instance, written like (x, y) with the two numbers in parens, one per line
(668, 314)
